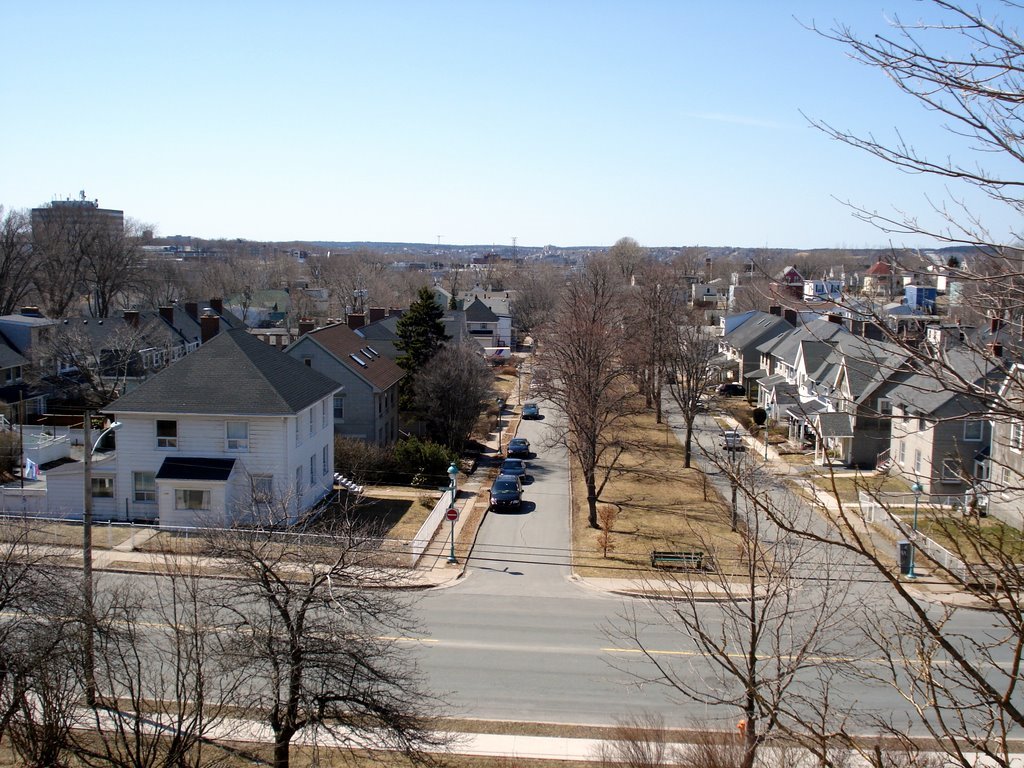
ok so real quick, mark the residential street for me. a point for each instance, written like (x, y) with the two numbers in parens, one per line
(519, 639)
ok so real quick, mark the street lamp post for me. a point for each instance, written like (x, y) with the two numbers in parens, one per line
(916, 489)
(453, 475)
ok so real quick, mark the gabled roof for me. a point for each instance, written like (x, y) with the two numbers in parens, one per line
(233, 373)
(479, 312)
(834, 424)
(879, 269)
(756, 329)
(927, 392)
(9, 358)
(357, 354)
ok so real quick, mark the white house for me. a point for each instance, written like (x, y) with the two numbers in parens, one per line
(234, 431)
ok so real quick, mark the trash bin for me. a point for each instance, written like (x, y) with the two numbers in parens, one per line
(904, 556)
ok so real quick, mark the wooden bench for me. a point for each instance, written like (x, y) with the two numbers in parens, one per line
(690, 561)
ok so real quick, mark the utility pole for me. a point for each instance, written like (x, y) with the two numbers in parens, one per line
(87, 584)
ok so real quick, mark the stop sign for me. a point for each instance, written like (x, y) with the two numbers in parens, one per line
(452, 514)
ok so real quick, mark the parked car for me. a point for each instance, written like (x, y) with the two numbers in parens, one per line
(514, 467)
(731, 390)
(518, 448)
(531, 411)
(506, 493)
(732, 440)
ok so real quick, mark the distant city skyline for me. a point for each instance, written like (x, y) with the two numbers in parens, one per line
(564, 123)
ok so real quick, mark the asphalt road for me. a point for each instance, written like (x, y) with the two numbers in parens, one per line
(519, 639)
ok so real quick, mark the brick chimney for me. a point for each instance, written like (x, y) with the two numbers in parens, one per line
(31, 311)
(192, 309)
(776, 310)
(305, 326)
(996, 349)
(131, 316)
(356, 320)
(377, 313)
(398, 312)
(790, 316)
(209, 326)
(995, 324)
(217, 305)
(167, 313)
(837, 319)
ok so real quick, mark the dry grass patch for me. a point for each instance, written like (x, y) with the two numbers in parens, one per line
(848, 486)
(63, 534)
(658, 506)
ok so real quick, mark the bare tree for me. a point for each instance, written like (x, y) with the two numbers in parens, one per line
(111, 266)
(963, 65)
(39, 686)
(164, 685)
(94, 362)
(58, 241)
(450, 392)
(770, 631)
(627, 256)
(536, 289)
(587, 378)
(318, 625)
(15, 259)
(688, 353)
(656, 301)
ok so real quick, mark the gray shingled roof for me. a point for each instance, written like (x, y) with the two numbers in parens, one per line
(233, 373)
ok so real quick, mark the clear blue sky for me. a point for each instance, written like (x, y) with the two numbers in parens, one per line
(571, 123)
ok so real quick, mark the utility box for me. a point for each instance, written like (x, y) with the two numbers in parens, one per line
(904, 556)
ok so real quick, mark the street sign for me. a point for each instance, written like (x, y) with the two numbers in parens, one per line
(452, 514)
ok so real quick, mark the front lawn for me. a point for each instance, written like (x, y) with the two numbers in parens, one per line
(659, 506)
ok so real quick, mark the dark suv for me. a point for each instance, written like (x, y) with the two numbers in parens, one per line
(506, 493)
(732, 389)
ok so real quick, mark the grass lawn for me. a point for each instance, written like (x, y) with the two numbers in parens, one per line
(64, 534)
(660, 506)
(848, 486)
(969, 538)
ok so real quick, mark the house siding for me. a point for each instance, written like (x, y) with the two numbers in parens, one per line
(369, 414)
(1005, 502)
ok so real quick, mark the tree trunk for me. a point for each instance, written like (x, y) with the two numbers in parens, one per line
(592, 501)
(687, 443)
(282, 746)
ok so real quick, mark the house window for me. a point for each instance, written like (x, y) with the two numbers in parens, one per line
(1017, 435)
(903, 452)
(917, 461)
(323, 413)
(262, 488)
(922, 422)
(324, 460)
(103, 487)
(884, 406)
(166, 434)
(190, 498)
(298, 482)
(308, 361)
(312, 468)
(237, 435)
(973, 430)
(339, 407)
(951, 471)
(298, 429)
(312, 423)
(144, 486)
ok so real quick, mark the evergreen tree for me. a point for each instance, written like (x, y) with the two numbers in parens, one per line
(420, 332)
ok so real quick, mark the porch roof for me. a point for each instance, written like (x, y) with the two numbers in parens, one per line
(834, 424)
(195, 468)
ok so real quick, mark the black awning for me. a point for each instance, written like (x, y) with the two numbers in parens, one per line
(195, 468)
